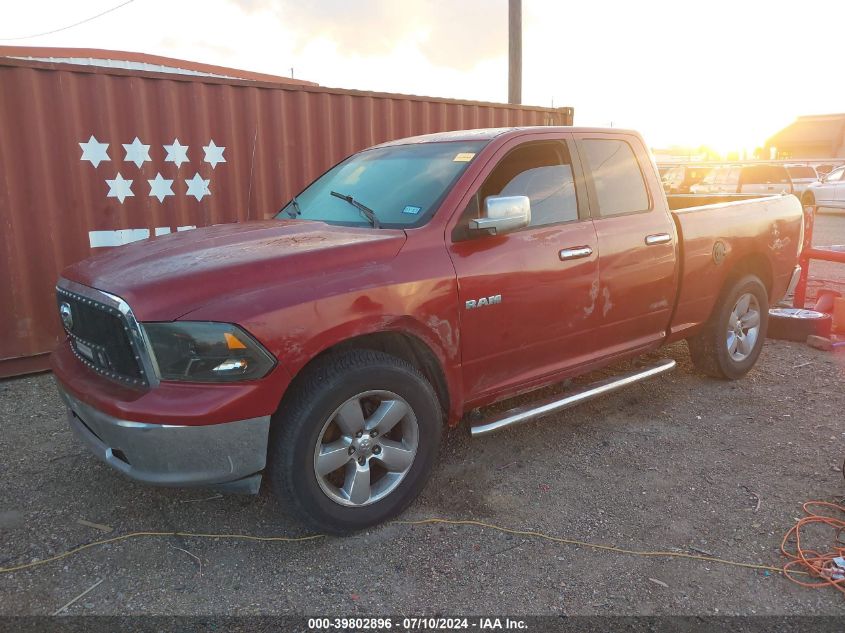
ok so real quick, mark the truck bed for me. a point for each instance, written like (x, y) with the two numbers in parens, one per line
(727, 231)
(679, 201)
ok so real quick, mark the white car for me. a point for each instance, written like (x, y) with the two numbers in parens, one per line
(756, 179)
(721, 179)
(829, 192)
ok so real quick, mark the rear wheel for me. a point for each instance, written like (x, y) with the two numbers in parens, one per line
(355, 441)
(732, 341)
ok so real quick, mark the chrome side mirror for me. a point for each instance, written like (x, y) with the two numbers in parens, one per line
(503, 214)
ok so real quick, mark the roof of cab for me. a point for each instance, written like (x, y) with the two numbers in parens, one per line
(488, 134)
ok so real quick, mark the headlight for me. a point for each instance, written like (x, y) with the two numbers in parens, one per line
(206, 352)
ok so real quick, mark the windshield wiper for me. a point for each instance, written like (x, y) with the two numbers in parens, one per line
(366, 211)
(296, 210)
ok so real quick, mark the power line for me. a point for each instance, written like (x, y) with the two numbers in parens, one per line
(69, 26)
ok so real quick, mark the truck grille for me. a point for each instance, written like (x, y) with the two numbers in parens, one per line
(100, 337)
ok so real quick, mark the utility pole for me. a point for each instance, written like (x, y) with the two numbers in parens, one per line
(515, 51)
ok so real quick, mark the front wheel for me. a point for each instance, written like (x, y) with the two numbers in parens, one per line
(732, 341)
(355, 441)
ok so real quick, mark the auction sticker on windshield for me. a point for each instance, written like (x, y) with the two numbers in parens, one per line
(411, 210)
(463, 157)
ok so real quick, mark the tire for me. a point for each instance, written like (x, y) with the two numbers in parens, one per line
(330, 419)
(795, 324)
(725, 348)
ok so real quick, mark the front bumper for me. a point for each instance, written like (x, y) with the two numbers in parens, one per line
(228, 455)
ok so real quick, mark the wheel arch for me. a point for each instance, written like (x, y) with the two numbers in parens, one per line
(400, 343)
(753, 264)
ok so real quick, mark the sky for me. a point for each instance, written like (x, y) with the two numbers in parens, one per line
(723, 73)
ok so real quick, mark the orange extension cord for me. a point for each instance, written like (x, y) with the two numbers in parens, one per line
(811, 562)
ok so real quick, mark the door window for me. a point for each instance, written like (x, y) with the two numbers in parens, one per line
(540, 170)
(617, 177)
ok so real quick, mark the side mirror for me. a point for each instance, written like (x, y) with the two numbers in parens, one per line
(503, 214)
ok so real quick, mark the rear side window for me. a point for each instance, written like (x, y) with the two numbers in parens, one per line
(764, 175)
(801, 171)
(617, 177)
(674, 175)
(697, 175)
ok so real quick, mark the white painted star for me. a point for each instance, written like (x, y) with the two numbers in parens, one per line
(161, 187)
(137, 152)
(213, 154)
(120, 188)
(177, 153)
(94, 151)
(197, 187)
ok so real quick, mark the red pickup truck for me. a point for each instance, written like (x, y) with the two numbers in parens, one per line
(417, 280)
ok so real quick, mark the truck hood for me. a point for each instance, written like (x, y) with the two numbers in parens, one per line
(169, 276)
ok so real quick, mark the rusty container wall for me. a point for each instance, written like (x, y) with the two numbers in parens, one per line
(57, 206)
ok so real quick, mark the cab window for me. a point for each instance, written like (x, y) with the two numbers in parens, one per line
(617, 178)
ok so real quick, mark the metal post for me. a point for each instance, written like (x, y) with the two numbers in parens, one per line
(800, 292)
(515, 51)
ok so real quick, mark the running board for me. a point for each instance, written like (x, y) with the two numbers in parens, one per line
(556, 403)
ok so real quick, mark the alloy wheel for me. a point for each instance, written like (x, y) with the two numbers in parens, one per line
(743, 327)
(366, 448)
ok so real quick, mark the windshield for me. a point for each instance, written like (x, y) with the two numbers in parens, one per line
(802, 172)
(401, 184)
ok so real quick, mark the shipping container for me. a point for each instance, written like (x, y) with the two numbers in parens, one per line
(95, 155)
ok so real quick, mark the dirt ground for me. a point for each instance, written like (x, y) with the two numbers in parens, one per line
(682, 463)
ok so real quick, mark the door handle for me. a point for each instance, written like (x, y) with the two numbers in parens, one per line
(576, 252)
(658, 238)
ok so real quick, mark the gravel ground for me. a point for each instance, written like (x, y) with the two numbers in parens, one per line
(678, 463)
(681, 463)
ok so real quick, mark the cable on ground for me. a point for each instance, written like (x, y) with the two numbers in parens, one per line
(131, 535)
(431, 521)
(819, 566)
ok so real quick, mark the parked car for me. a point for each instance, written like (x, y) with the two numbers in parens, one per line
(680, 178)
(720, 179)
(323, 350)
(829, 192)
(745, 179)
(765, 179)
(802, 176)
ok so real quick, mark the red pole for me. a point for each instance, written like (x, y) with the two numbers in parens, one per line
(800, 296)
